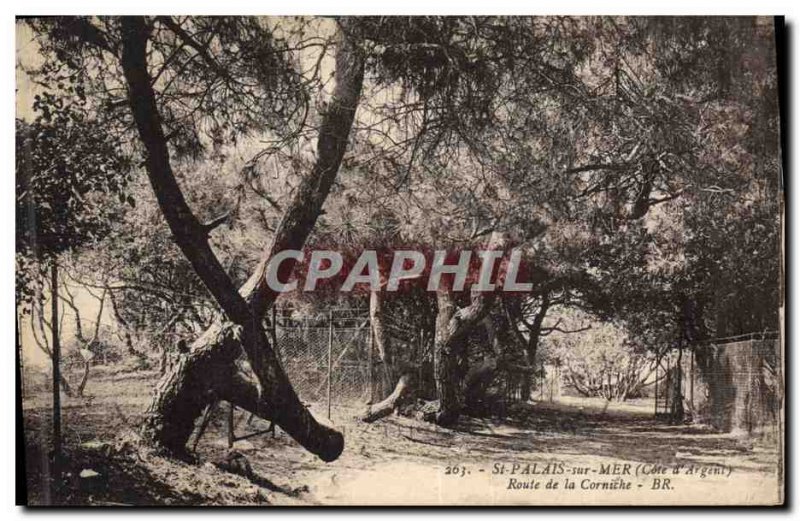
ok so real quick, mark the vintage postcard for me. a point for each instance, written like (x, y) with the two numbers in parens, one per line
(400, 260)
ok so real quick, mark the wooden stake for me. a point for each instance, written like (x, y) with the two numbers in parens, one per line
(330, 359)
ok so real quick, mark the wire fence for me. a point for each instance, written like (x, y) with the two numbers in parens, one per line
(733, 384)
(329, 359)
(332, 362)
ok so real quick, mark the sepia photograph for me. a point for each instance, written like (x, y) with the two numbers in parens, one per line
(429, 260)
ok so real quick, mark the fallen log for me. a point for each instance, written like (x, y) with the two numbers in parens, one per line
(403, 391)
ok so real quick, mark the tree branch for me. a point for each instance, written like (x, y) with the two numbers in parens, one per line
(190, 236)
(306, 205)
(83, 29)
(216, 222)
(547, 330)
(201, 50)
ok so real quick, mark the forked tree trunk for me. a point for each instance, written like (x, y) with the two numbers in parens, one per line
(209, 371)
(453, 326)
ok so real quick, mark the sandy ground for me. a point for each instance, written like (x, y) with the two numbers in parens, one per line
(610, 454)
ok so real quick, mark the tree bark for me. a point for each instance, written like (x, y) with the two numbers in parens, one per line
(445, 361)
(452, 328)
(382, 342)
(209, 369)
(677, 412)
(182, 394)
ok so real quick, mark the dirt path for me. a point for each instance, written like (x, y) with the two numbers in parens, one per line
(403, 461)
(406, 462)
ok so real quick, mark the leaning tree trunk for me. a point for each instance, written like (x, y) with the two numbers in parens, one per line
(210, 370)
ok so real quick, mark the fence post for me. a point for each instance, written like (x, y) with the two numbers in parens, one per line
(230, 425)
(370, 371)
(691, 382)
(667, 385)
(330, 359)
(420, 357)
(56, 361)
(274, 333)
